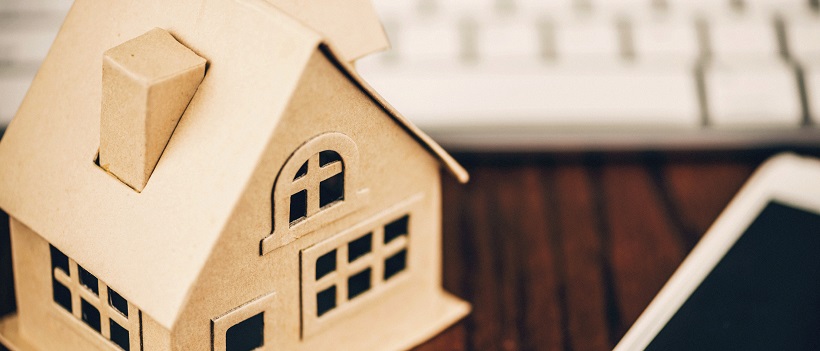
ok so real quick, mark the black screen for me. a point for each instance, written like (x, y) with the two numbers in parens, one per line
(763, 295)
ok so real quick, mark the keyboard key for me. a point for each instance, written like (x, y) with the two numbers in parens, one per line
(665, 39)
(749, 94)
(700, 6)
(564, 95)
(508, 39)
(542, 6)
(586, 38)
(422, 41)
(623, 6)
(739, 37)
(803, 38)
(777, 6)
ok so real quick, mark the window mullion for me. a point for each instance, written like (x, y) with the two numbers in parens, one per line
(330, 170)
(75, 288)
(62, 277)
(343, 270)
(378, 257)
(313, 178)
(105, 325)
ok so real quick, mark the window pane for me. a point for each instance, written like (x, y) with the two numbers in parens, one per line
(91, 315)
(59, 260)
(359, 247)
(331, 190)
(302, 171)
(395, 229)
(325, 264)
(326, 300)
(298, 206)
(395, 264)
(327, 157)
(358, 284)
(62, 295)
(88, 280)
(247, 335)
(119, 335)
(118, 302)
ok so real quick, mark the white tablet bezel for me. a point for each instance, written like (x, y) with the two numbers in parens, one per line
(785, 178)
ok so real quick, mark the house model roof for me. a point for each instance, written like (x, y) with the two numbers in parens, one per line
(151, 246)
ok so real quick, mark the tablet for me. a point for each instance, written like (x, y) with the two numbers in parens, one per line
(753, 281)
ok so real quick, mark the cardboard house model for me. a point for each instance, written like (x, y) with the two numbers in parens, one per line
(214, 175)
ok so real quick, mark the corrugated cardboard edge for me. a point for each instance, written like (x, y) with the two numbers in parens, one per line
(452, 166)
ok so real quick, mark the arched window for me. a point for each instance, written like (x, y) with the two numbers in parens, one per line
(319, 183)
(323, 173)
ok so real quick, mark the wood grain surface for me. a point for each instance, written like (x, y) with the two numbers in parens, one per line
(564, 252)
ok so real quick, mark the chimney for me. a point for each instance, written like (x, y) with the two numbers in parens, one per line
(147, 83)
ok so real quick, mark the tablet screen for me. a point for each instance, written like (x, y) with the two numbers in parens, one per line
(763, 295)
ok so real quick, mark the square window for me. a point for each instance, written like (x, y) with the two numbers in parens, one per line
(395, 229)
(118, 302)
(359, 247)
(325, 264)
(59, 260)
(395, 264)
(358, 284)
(332, 189)
(120, 335)
(325, 300)
(91, 315)
(62, 295)
(247, 335)
(88, 280)
(298, 206)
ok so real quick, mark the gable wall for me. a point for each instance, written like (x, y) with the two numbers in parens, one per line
(45, 324)
(393, 167)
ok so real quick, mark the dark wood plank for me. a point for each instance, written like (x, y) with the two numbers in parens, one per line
(584, 259)
(507, 239)
(542, 289)
(644, 249)
(484, 323)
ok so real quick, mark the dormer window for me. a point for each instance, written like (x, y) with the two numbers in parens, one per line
(317, 184)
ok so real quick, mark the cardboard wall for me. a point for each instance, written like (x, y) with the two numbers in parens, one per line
(43, 323)
(394, 168)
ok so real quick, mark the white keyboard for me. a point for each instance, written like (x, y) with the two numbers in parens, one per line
(518, 74)
(490, 74)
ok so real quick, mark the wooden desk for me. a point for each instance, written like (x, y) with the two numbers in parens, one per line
(564, 252)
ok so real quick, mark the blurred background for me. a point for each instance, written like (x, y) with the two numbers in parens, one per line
(559, 74)
(603, 138)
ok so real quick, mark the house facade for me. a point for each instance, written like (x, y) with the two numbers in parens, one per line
(292, 208)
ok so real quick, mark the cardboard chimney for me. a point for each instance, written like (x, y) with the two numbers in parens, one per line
(147, 84)
(278, 203)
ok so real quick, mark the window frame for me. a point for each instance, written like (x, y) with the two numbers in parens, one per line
(101, 301)
(284, 186)
(221, 324)
(374, 260)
